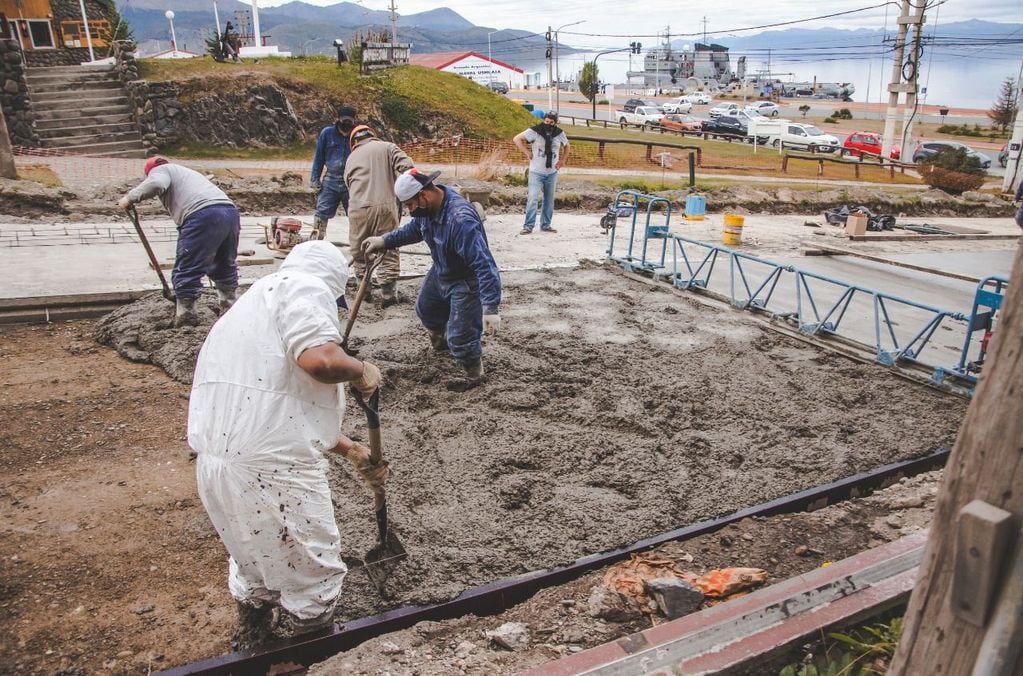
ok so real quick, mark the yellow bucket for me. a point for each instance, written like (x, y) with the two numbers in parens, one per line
(732, 233)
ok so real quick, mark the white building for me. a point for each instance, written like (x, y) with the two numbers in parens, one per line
(474, 66)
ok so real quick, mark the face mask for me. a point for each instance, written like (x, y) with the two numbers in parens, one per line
(419, 211)
(346, 127)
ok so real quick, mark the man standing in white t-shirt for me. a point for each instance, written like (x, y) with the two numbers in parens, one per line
(546, 151)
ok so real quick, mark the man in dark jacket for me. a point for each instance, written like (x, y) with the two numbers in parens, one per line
(331, 153)
(459, 299)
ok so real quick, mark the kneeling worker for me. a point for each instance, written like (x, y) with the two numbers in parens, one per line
(459, 299)
(266, 405)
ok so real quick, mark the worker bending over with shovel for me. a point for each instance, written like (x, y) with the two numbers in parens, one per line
(266, 405)
(459, 299)
(208, 226)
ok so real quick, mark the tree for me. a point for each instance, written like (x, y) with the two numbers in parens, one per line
(964, 613)
(1004, 110)
(589, 80)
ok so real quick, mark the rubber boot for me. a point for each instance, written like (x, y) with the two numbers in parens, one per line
(319, 228)
(474, 369)
(185, 314)
(438, 340)
(255, 625)
(227, 296)
(388, 294)
(290, 626)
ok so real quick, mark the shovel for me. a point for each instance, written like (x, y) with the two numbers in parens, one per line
(167, 293)
(388, 551)
(371, 265)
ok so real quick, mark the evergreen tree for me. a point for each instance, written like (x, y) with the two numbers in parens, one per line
(1004, 110)
(589, 80)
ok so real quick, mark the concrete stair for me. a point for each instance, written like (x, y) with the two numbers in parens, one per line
(83, 110)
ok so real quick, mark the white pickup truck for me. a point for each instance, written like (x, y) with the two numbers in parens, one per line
(643, 116)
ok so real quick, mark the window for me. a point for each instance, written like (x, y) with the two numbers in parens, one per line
(5, 28)
(40, 32)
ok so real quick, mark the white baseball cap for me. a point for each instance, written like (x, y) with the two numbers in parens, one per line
(410, 183)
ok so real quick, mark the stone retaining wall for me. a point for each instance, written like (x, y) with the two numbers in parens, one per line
(14, 96)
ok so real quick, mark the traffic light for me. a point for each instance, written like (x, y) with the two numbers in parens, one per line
(636, 46)
(674, 72)
(548, 54)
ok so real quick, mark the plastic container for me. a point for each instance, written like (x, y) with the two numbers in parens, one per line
(696, 207)
(732, 233)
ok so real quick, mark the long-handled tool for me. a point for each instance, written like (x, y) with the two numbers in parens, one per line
(167, 293)
(388, 550)
(371, 265)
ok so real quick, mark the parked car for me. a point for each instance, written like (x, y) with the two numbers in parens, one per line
(631, 105)
(681, 123)
(724, 126)
(765, 108)
(1003, 155)
(499, 87)
(698, 98)
(677, 106)
(860, 142)
(724, 109)
(644, 116)
(926, 149)
(806, 137)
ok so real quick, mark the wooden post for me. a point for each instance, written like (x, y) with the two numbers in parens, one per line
(785, 164)
(600, 150)
(7, 168)
(941, 635)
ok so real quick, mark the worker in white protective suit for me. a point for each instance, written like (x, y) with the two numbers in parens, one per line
(266, 404)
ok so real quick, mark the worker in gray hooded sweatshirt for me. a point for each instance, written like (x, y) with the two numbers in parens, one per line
(208, 227)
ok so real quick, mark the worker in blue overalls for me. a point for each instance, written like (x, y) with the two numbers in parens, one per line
(332, 151)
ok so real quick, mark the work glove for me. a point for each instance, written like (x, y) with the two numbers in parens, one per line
(375, 476)
(373, 244)
(124, 203)
(369, 382)
(491, 323)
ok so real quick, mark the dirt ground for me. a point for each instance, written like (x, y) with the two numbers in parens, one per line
(610, 409)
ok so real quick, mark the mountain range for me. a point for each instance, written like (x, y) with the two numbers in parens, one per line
(302, 28)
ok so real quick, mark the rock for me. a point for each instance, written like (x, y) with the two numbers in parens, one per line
(464, 649)
(511, 635)
(390, 648)
(674, 597)
(801, 550)
(893, 521)
(142, 610)
(608, 604)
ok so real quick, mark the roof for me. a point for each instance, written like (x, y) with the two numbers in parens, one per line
(441, 60)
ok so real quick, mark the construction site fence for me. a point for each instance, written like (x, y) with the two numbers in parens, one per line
(901, 329)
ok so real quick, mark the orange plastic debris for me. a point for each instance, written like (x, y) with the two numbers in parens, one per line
(627, 578)
(727, 581)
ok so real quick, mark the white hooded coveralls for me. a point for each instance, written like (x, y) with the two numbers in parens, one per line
(260, 425)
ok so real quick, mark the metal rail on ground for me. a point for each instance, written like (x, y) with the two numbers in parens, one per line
(500, 595)
(815, 303)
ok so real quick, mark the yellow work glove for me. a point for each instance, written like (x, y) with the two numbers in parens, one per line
(368, 383)
(375, 476)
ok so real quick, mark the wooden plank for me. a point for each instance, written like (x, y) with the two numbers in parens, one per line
(826, 250)
(929, 238)
(984, 536)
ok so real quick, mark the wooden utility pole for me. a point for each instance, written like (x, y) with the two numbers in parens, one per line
(7, 169)
(966, 612)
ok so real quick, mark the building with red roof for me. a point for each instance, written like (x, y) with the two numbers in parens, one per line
(477, 67)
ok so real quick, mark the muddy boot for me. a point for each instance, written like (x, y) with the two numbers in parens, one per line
(319, 228)
(227, 296)
(255, 624)
(290, 626)
(474, 369)
(438, 340)
(185, 314)
(388, 294)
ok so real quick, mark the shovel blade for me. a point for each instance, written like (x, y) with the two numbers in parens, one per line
(383, 558)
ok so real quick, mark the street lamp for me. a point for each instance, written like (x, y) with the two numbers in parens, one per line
(593, 85)
(557, 64)
(490, 58)
(174, 40)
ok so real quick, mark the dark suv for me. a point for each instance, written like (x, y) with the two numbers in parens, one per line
(631, 105)
(927, 149)
(499, 87)
(724, 125)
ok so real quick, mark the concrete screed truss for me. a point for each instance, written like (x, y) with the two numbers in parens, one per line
(815, 303)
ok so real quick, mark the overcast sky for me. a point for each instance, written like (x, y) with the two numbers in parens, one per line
(650, 17)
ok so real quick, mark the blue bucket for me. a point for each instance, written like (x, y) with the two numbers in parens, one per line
(696, 207)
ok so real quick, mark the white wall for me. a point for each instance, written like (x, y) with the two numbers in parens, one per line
(483, 71)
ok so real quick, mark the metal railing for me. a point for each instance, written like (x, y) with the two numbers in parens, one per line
(900, 329)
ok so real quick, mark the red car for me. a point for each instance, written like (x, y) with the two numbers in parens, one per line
(681, 123)
(860, 142)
